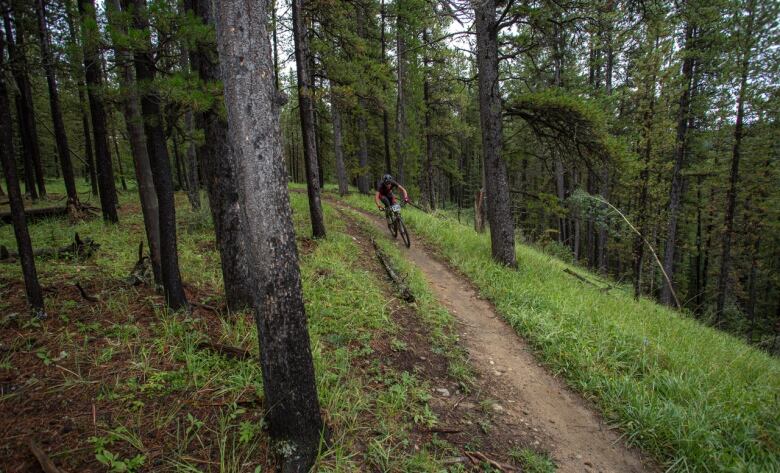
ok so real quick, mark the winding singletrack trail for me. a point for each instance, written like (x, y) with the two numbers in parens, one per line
(578, 438)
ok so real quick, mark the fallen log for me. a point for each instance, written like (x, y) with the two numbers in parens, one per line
(44, 461)
(37, 214)
(227, 350)
(586, 281)
(403, 289)
(80, 249)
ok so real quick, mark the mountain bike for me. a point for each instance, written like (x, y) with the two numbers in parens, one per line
(396, 224)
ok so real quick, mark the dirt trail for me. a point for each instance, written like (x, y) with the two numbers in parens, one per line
(580, 441)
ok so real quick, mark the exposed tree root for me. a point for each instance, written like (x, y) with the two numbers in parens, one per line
(228, 351)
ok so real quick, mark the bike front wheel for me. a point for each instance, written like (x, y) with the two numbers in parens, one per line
(392, 225)
(404, 233)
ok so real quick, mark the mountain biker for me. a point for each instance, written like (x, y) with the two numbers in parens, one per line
(384, 192)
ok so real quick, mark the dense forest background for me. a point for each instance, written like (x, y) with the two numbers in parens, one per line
(640, 138)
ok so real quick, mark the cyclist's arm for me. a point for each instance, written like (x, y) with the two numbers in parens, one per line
(406, 194)
(377, 200)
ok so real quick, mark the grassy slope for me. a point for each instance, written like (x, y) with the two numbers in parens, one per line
(174, 407)
(696, 398)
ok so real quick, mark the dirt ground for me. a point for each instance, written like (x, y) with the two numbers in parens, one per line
(531, 404)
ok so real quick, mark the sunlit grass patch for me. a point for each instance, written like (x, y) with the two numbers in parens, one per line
(696, 398)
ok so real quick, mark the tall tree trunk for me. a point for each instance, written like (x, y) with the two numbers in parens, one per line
(252, 109)
(275, 43)
(751, 306)
(56, 112)
(604, 173)
(680, 151)
(219, 170)
(385, 128)
(338, 148)
(29, 169)
(502, 234)
(731, 197)
(31, 285)
(26, 110)
(77, 63)
(644, 177)
(363, 180)
(191, 161)
(160, 163)
(306, 108)
(93, 73)
(119, 162)
(400, 112)
(137, 139)
(427, 175)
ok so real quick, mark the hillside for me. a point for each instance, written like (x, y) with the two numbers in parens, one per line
(121, 381)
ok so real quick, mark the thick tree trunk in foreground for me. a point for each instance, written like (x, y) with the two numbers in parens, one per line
(338, 148)
(137, 139)
(680, 151)
(219, 169)
(93, 73)
(56, 111)
(161, 167)
(28, 131)
(306, 108)
(250, 96)
(502, 234)
(32, 287)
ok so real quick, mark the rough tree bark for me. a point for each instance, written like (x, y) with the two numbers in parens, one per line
(219, 170)
(94, 76)
(261, 181)
(56, 111)
(338, 148)
(29, 133)
(32, 287)
(160, 164)
(502, 235)
(306, 109)
(137, 139)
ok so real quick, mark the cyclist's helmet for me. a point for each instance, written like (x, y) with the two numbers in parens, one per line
(387, 178)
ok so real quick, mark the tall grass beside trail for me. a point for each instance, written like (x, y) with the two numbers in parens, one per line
(695, 398)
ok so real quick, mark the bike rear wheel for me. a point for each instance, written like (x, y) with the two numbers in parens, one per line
(404, 233)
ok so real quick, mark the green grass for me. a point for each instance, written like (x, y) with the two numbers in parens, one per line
(695, 398)
(195, 401)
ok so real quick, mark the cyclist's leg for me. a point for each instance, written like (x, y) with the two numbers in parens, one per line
(386, 203)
